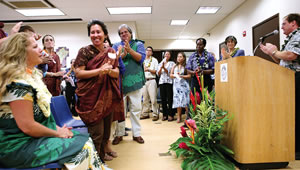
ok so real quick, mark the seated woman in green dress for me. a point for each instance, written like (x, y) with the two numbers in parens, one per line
(29, 136)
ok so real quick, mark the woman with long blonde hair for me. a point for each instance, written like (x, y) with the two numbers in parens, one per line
(11, 63)
(29, 136)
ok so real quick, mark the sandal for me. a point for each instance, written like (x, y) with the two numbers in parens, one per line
(164, 118)
(170, 119)
(108, 157)
(112, 153)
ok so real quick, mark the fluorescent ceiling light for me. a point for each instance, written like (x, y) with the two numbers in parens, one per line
(179, 22)
(129, 10)
(207, 10)
(40, 12)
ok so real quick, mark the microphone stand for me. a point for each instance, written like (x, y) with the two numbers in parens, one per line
(261, 40)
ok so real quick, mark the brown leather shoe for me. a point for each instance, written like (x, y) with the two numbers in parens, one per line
(155, 118)
(139, 139)
(144, 117)
(117, 140)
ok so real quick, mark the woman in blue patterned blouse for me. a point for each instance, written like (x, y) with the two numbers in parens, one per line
(231, 51)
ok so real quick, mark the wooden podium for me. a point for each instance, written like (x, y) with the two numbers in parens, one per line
(260, 98)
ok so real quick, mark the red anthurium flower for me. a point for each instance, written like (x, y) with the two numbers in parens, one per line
(192, 98)
(183, 145)
(192, 123)
(198, 98)
(192, 126)
(183, 132)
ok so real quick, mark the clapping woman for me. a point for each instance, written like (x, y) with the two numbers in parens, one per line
(98, 90)
(166, 86)
(231, 50)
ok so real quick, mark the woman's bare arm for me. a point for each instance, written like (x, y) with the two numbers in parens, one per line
(23, 113)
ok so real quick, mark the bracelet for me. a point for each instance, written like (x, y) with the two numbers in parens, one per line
(274, 52)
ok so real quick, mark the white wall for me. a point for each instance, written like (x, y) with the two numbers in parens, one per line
(245, 17)
(242, 19)
(171, 44)
(74, 35)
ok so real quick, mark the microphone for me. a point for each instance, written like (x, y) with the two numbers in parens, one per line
(268, 35)
(261, 39)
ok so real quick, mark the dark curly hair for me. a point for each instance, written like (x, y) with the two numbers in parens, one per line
(203, 41)
(150, 48)
(97, 22)
(230, 37)
(293, 17)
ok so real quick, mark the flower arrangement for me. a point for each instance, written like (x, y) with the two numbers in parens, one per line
(202, 148)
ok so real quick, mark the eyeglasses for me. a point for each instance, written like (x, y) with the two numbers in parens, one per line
(46, 40)
(124, 32)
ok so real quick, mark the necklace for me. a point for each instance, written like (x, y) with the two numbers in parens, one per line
(289, 38)
(43, 95)
(205, 64)
(234, 51)
(28, 70)
(149, 63)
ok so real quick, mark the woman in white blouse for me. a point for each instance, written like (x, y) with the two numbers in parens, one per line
(166, 86)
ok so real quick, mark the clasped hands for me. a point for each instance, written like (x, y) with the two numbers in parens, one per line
(106, 68)
(225, 54)
(163, 65)
(124, 50)
(198, 70)
(268, 49)
(64, 132)
(146, 69)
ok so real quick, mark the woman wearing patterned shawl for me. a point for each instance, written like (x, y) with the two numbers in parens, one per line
(99, 96)
(29, 136)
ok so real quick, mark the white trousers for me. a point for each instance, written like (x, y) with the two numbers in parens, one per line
(149, 92)
(135, 107)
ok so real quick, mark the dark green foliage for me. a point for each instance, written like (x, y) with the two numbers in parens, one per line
(207, 153)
